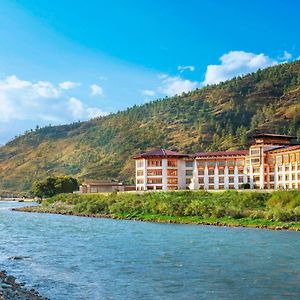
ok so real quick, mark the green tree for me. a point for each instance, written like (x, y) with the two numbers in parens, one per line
(54, 185)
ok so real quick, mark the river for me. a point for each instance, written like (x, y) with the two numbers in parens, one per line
(72, 257)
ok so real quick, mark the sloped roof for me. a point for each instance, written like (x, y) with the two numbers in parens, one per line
(258, 135)
(223, 153)
(284, 149)
(160, 153)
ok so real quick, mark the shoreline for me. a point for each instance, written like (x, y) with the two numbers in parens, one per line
(10, 289)
(187, 220)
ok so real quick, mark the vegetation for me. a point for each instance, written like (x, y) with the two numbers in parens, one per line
(54, 185)
(279, 209)
(215, 117)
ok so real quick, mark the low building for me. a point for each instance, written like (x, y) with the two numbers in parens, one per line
(97, 186)
(271, 162)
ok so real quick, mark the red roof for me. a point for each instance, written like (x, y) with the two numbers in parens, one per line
(161, 153)
(223, 153)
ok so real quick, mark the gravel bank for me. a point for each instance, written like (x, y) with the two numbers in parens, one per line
(10, 289)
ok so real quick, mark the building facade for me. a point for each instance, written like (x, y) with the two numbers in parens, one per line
(97, 186)
(271, 162)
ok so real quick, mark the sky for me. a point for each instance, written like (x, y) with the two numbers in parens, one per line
(62, 61)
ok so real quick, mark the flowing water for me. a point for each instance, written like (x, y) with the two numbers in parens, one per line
(68, 257)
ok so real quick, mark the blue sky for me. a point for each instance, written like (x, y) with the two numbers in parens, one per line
(63, 61)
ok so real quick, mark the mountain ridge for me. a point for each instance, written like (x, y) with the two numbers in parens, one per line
(216, 117)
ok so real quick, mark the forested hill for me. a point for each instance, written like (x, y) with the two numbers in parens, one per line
(215, 117)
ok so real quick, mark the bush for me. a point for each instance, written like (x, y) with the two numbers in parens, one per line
(246, 186)
(278, 206)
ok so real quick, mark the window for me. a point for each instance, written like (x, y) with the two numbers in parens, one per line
(292, 157)
(201, 180)
(140, 173)
(231, 171)
(286, 158)
(154, 172)
(240, 162)
(140, 181)
(154, 163)
(172, 181)
(221, 171)
(241, 171)
(279, 160)
(201, 172)
(172, 187)
(211, 163)
(271, 170)
(231, 179)
(221, 179)
(172, 172)
(189, 172)
(241, 179)
(139, 163)
(255, 151)
(298, 156)
(271, 178)
(189, 164)
(256, 178)
(201, 163)
(256, 170)
(172, 163)
(154, 181)
(221, 163)
(211, 180)
(211, 172)
(188, 181)
(230, 162)
(255, 161)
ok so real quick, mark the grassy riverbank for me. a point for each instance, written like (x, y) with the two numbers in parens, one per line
(275, 210)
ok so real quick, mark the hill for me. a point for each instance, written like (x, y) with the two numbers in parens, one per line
(214, 117)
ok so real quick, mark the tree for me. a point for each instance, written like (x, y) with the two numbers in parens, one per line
(54, 185)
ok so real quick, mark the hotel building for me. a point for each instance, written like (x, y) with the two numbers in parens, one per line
(271, 162)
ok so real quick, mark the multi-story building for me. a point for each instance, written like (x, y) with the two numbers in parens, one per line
(271, 162)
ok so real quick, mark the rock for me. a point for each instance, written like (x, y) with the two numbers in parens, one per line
(19, 257)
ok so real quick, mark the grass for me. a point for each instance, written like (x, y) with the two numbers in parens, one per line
(275, 210)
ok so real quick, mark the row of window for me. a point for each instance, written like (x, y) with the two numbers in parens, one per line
(221, 179)
(239, 162)
(156, 172)
(220, 171)
(285, 158)
(157, 181)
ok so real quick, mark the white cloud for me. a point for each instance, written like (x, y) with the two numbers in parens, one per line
(286, 56)
(45, 89)
(81, 111)
(236, 63)
(172, 85)
(96, 90)
(76, 108)
(183, 68)
(39, 102)
(66, 85)
(93, 112)
(148, 93)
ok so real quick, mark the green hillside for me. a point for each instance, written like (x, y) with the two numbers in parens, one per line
(215, 117)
